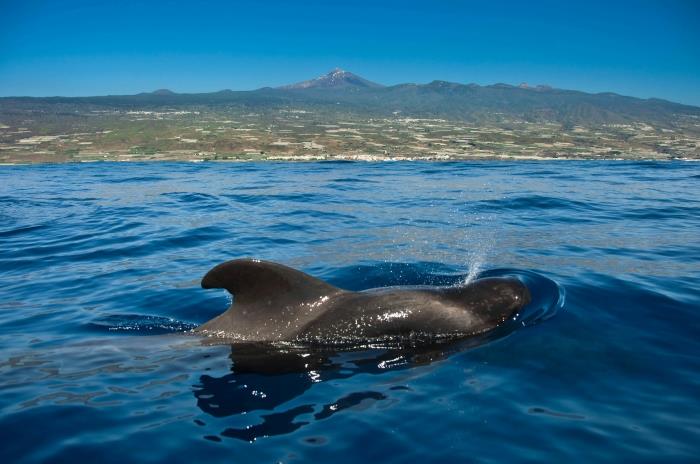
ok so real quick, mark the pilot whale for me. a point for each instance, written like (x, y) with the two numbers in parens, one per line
(275, 303)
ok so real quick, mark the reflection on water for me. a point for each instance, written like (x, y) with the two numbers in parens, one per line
(264, 377)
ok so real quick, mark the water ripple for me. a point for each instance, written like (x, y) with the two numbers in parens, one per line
(99, 287)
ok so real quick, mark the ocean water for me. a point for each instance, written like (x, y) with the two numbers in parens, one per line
(99, 284)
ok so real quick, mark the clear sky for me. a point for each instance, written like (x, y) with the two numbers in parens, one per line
(74, 47)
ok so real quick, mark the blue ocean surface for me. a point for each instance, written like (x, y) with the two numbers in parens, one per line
(100, 267)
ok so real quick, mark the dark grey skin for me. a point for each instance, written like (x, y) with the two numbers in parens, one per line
(275, 303)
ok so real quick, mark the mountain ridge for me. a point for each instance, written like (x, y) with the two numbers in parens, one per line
(342, 91)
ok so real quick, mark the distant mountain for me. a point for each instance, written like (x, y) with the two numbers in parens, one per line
(163, 92)
(335, 79)
(342, 91)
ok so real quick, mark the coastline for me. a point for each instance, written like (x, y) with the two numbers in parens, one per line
(342, 159)
(307, 137)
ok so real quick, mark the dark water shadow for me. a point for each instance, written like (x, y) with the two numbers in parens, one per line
(264, 377)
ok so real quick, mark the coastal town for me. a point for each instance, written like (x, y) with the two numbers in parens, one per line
(291, 134)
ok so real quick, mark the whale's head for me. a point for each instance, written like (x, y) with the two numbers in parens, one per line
(492, 300)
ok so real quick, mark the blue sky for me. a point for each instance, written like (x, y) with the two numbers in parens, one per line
(72, 47)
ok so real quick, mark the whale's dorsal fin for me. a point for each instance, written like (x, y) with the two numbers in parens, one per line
(256, 282)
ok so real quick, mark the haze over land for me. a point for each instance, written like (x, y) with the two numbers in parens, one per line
(343, 116)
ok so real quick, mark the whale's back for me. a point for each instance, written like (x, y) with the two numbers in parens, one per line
(273, 302)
